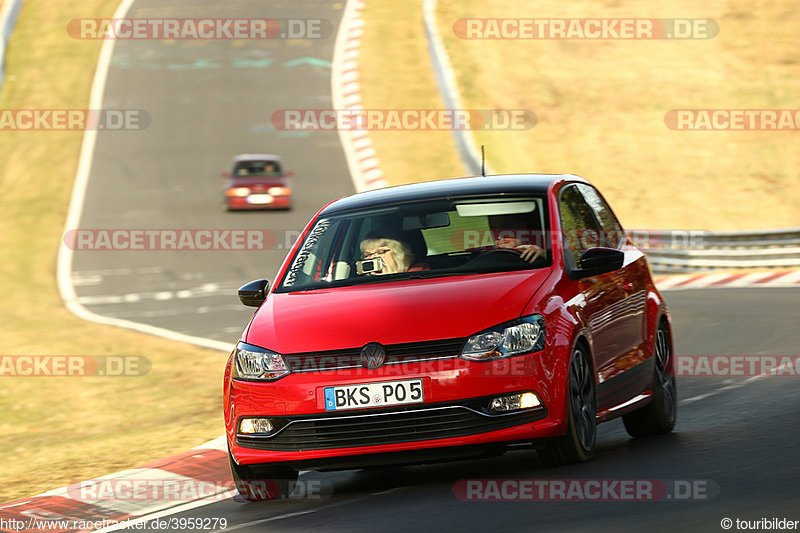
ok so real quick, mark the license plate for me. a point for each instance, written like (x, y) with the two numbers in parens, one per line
(260, 199)
(373, 395)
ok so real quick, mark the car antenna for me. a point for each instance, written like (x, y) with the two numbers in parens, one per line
(483, 161)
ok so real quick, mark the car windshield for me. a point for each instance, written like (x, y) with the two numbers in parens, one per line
(244, 169)
(424, 239)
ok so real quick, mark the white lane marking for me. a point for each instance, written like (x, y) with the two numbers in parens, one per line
(265, 520)
(83, 281)
(130, 523)
(388, 491)
(119, 271)
(208, 289)
(738, 385)
(220, 443)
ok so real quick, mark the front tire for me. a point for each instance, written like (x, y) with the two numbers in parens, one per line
(578, 444)
(659, 416)
(260, 483)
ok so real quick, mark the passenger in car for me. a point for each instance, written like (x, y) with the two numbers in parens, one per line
(513, 232)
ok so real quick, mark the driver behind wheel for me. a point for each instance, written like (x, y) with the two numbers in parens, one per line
(390, 256)
(512, 232)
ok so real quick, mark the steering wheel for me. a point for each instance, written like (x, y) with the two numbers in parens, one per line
(514, 251)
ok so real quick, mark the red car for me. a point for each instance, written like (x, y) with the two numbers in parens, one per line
(447, 320)
(257, 182)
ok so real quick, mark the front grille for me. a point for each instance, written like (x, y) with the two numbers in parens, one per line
(346, 431)
(395, 354)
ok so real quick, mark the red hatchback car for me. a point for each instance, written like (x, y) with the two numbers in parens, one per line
(447, 320)
(257, 182)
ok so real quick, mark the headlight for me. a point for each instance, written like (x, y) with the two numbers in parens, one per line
(252, 362)
(523, 335)
(238, 191)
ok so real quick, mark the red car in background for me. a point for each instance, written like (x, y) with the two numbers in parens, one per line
(257, 181)
(448, 320)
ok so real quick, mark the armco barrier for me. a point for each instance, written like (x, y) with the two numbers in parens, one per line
(446, 81)
(730, 250)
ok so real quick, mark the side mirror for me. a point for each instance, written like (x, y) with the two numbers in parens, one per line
(599, 260)
(226, 175)
(254, 293)
(288, 174)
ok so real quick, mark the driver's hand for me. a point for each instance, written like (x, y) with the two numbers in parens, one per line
(529, 252)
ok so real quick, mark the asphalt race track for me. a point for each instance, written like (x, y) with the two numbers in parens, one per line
(736, 438)
(208, 100)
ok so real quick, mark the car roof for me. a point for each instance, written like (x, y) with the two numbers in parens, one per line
(255, 157)
(477, 186)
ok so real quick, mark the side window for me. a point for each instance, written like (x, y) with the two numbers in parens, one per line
(579, 225)
(612, 235)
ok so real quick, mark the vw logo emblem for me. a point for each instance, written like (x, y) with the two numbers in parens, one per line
(373, 355)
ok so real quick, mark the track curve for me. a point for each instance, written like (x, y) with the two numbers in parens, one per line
(211, 100)
(208, 101)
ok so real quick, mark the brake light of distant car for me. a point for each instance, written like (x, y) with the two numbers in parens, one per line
(520, 336)
(238, 191)
(279, 191)
(256, 363)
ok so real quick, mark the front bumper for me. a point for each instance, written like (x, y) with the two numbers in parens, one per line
(455, 413)
(387, 426)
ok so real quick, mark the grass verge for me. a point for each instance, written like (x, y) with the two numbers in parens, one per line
(55, 430)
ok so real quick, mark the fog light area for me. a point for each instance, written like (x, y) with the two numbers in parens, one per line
(515, 402)
(252, 426)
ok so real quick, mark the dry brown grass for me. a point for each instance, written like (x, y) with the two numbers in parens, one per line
(601, 106)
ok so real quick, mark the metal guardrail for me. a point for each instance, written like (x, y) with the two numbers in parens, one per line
(699, 251)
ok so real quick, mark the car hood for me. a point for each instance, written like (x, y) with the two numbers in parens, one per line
(391, 312)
